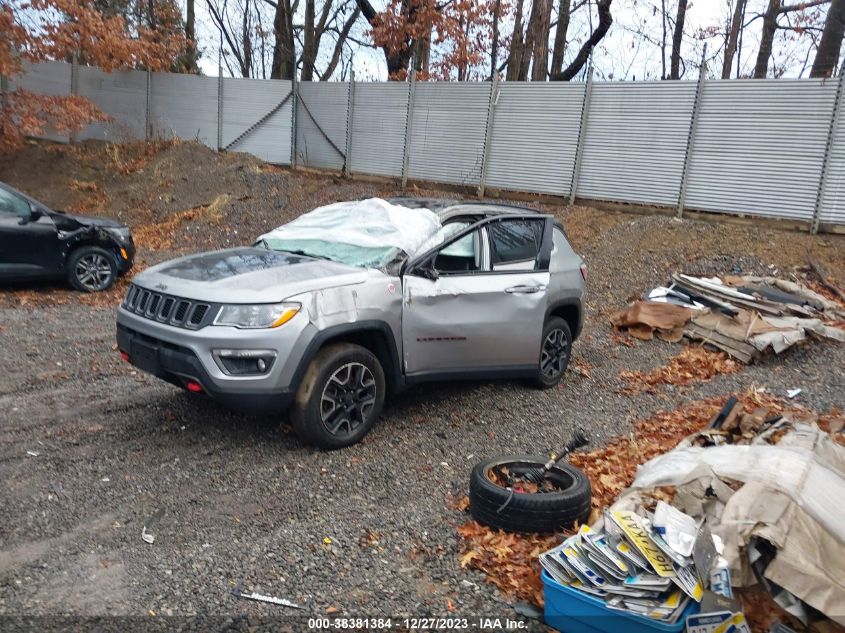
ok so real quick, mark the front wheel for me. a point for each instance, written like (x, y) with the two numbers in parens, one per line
(340, 397)
(555, 351)
(91, 269)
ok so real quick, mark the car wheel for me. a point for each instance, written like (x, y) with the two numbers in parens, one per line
(91, 269)
(502, 508)
(340, 397)
(555, 351)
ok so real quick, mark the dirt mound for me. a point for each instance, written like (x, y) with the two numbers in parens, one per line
(184, 197)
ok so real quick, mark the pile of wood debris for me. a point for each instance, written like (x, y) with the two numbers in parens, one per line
(742, 316)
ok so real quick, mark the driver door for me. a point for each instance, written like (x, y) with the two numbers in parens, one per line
(477, 303)
(29, 246)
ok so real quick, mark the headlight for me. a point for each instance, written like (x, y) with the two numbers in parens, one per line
(121, 233)
(265, 315)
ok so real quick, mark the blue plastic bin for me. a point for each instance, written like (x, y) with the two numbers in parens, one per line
(572, 611)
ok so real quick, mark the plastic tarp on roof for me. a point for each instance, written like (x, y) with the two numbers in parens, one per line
(372, 223)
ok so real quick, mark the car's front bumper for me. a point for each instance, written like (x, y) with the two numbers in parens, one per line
(179, 355)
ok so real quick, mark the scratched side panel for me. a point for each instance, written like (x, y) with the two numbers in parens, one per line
(470, 322)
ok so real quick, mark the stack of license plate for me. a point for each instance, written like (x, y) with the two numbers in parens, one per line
(629, 566)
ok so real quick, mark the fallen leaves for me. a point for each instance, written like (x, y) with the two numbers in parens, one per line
(510, 561)
(694, 364)
(161, 235)
(611, 468)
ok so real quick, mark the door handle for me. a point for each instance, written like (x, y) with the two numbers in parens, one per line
(524, 290)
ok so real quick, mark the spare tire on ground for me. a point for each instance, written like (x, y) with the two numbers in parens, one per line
(499, 507)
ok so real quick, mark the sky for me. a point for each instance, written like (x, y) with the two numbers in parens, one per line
(628, 52)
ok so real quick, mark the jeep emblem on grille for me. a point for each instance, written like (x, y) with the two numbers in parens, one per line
(161, 286)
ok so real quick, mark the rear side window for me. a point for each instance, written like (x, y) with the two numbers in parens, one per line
(15, 205)
(515, 244)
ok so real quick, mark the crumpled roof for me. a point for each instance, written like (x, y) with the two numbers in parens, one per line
(371, 223)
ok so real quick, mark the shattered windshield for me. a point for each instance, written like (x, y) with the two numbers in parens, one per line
(366, 233)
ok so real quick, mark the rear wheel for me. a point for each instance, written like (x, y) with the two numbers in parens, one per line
(91, 269)
(555, 351)
(340, 397)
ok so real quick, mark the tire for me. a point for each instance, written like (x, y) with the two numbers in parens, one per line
(327, 375)
(91, 269)
(542, 512)
(555, 352)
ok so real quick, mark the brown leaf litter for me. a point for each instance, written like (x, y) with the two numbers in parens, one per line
(694, 364)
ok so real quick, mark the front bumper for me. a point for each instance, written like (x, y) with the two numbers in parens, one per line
(125, 256)
(179, 355)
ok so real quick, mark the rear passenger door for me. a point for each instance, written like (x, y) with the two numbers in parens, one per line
(476, 303)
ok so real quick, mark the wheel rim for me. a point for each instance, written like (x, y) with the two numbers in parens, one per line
(93, 271)
(554, 354)
(348, 399)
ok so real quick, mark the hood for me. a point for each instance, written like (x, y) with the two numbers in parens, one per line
(60, 217)
(246, 275)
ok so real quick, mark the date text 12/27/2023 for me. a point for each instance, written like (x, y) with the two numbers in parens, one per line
(418, 624)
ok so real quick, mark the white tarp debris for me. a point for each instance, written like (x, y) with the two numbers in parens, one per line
(372, 223)
(791, 497)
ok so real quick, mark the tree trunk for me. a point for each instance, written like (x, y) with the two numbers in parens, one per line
(338, 48)
(515, 53)
(767, 38)
(246, 43)
(540, 54)
(309, 45)
(733, 38)
(190, 35)
(284, 58)
(605, 20)
(494, 52)
(559, 47)
(677, 40)
(530, 38)
(827, 54)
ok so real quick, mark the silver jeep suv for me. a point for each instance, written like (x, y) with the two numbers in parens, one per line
(327, 314)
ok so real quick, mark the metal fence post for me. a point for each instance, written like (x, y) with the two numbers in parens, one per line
(74, 84)
(828, 148)
(582, 133)
(293, 107)
(148, 119)
(693, 126)
(488, 133)
(220, 110)
(350, 111)
(412, 88)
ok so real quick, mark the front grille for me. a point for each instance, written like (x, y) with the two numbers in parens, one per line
(164, 308)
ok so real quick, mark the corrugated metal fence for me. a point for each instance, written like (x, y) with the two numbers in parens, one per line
(767, 148)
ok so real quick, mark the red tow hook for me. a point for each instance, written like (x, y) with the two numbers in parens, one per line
(124, 356)
(193, 386)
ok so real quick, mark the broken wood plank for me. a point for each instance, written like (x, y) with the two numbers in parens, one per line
(739, 350)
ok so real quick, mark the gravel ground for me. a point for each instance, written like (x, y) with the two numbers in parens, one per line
(364, 531)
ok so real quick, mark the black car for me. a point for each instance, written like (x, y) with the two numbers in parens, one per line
(37, 242)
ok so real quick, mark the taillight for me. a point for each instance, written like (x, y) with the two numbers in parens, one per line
(583, 268)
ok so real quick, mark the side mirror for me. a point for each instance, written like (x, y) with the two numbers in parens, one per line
(34, 214)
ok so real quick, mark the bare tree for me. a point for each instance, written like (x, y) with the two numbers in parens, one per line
(563, 9)
(515, 53)
(827, 54)
(774, 11)
(733, 37)
(284, 49)
(605, 20)
(677, 40)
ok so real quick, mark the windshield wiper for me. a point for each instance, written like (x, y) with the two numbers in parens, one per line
(306, 254)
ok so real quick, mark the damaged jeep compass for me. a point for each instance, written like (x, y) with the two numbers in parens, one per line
(329, 313)
(37, 242)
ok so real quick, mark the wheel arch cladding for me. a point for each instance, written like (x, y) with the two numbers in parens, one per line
(90, 236)
(375, 336)
(570, 312)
